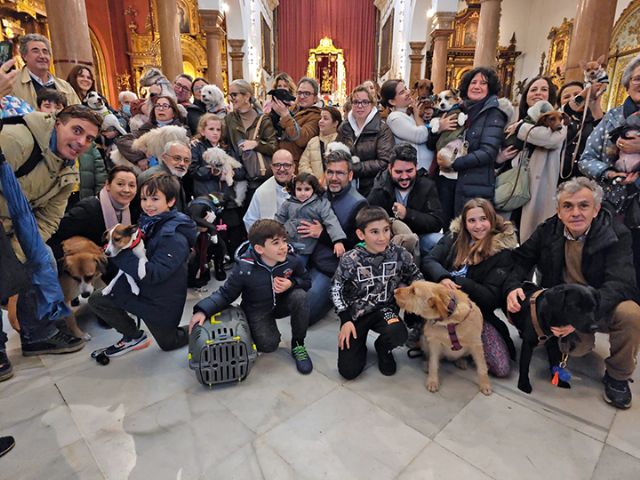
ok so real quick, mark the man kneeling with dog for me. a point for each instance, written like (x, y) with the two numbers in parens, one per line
(584, 245)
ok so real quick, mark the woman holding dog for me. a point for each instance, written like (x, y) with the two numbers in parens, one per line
(164, 112)
(544, 149)
(92, 216)
(475, 257)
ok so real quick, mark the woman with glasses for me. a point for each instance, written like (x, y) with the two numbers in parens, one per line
(368, 138)
(300, 124)
(196, 109)
(600, 156)
(164, 112)
(248, 130)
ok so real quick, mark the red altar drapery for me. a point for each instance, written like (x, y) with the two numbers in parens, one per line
(351, 24)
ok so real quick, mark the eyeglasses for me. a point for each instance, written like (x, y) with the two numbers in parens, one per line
(361, 103)
(635, 80)
(336, 173)
(304, 94)
(180, 159)
(282, 166)
(162, 106)
(177, 86)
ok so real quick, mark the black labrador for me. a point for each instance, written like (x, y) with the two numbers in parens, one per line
(567, 304)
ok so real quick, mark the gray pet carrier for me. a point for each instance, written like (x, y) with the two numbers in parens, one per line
(221, 350)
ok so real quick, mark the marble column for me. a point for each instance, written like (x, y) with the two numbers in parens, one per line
(416, 58)
(211, 23)
(488, 30)
(69, 32)
(591, 35)
(237, 55)
(442, 30)
(170, 49)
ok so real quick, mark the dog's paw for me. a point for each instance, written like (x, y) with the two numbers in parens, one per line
(433, 385)
(486, 389)
(525, 387)
(435, 125)
(462, 119)
(461, 363)
(86, 336)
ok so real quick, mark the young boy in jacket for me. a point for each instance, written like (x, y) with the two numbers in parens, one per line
(362, 293)
(273, 284)
(168, 237)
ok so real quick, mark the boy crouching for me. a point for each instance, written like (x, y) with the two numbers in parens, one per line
(273, 284)
(362, 293)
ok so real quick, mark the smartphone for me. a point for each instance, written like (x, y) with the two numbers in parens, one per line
(6, 52)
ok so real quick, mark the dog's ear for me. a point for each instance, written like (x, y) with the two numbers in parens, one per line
(415, 84)
(131, 229)
(439, 304)
(101, 263)
(105, 236)
(455, 92)
(600, 60)
(566, 119)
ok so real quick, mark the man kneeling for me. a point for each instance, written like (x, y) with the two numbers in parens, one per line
(273, 284)
(583, 244)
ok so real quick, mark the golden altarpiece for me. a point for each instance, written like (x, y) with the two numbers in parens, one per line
(326, 65)
(462, 47)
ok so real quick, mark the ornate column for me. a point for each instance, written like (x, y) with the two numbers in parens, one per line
(170, 50)
(69, 32)
(488, 27)
(416, 58)
(591, 35)
(237, 55)
(442, 30)
(211, 23)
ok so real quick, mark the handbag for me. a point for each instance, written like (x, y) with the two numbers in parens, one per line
(257, 165)
(512, 187)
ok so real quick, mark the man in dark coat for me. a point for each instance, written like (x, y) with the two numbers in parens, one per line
(583, 244)
(346, 202)
(409, 195)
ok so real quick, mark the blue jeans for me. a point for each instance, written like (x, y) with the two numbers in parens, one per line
(319, 298)
(32, 328)
(428, 241)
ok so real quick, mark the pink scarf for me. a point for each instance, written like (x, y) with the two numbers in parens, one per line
(111, 212)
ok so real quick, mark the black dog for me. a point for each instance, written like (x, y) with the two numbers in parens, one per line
(567, 304)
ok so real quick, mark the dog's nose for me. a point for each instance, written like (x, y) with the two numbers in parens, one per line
(593, 327)
(85, 294)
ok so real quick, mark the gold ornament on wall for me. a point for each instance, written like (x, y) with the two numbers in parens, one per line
(560, 38)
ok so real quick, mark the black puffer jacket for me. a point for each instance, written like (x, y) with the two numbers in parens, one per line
(607, 260)
(476, 174)
(424, 213)
(373, 147)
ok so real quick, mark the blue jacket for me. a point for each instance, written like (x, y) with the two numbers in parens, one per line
(253, 279)
(163, 290)
(476, 174)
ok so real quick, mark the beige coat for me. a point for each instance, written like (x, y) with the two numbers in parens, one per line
(311, 159)
(48, 185)
(24, 89)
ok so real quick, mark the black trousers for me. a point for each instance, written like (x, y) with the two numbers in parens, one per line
(168, 337)
(264, 328)
(351, 361)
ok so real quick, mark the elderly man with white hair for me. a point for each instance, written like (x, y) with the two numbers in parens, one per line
(124, 99)
(35, 50)
(175, 161)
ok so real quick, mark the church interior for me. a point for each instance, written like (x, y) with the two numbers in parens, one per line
(147, 417)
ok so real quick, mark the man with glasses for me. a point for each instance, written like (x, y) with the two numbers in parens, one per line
(301, 124)
(175, 161)
(182, 87)
(269, 196)
(346, 202)
(35, 76)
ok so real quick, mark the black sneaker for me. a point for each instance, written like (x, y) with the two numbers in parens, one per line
(219, 272)
(6, 370)
(386, 362)
(616, 392)
(6, 444)
(303, 362)
(60, 343)
(126, 345)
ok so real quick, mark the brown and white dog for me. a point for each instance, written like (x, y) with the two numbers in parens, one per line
(595, 72)
(422, 89)
(83, 264)
(120, 238)
(452, 329)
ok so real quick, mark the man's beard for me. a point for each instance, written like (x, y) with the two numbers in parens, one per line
(397, 185)
(177, 173)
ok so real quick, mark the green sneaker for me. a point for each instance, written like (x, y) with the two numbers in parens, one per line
(303, 362)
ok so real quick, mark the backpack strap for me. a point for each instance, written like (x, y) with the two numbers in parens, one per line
(36, 154)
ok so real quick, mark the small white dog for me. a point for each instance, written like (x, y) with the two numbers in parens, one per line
(213, 98)
(96, 102)
(219, 160)
(122, 238)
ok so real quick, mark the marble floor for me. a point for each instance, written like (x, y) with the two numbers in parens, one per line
(144, 416)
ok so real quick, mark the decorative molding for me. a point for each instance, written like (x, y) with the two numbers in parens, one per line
(560, 38)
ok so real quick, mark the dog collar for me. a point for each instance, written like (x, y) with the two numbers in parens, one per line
(542, 337)
(137, 239)
(453, 304)
(455, 343)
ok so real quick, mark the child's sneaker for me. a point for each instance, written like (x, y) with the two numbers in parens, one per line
(303, 362)
(386, 362)
(128, 344)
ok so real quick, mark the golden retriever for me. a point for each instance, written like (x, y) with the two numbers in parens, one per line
(452, 328)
